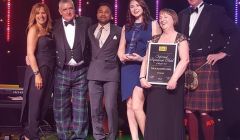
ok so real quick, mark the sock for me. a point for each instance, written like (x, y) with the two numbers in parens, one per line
(208, 127)
(192, 126)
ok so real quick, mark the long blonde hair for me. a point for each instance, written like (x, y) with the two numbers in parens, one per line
(35, 10)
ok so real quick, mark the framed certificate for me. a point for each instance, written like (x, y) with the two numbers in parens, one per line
(162, 59)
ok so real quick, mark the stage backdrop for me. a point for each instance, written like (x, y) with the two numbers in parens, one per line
(12, 54)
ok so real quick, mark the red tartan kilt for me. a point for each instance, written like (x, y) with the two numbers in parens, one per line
(207, 97)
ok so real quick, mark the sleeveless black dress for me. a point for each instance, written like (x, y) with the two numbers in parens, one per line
(165, 110)
(35, 102)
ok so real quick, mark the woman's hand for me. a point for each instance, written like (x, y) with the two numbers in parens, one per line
(144, 83)
(135, 57)
(123, 58)
(171, 85)
(38, 81)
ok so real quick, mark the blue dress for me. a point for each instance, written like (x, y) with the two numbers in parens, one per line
(131, 69)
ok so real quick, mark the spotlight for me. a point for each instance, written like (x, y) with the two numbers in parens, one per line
(237, 89)
(116, 12)
(157, 9)
(79, 7)
(237, 3)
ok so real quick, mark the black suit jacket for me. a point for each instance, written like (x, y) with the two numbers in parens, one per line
(104, 65)
(211, 33)
(81, 38)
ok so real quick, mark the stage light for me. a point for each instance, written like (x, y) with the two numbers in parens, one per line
(115, 12)
(237, 3)
(237, 88)
(79, 7)
(157, 10)
(43, 1)
(8, 20)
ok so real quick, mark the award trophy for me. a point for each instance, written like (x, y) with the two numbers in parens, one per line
(131, 49)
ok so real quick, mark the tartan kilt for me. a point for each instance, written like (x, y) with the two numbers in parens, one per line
(207, 97)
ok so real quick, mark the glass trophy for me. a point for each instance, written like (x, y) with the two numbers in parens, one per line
(130, 50)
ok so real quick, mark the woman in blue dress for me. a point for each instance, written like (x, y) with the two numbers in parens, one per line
(138, 30)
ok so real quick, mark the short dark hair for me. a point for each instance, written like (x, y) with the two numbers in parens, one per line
(105, 4)
(172, 13)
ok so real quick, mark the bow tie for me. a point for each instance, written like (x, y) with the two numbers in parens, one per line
(69, 22)
(192, 10)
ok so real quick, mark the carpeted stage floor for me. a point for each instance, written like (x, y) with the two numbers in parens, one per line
(10, 135)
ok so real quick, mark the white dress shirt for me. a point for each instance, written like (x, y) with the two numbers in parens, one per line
(70, 35)
(104, 35)
(194, 17)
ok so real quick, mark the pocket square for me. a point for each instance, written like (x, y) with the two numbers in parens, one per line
(115, 37)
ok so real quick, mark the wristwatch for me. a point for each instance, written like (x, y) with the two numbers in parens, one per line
(36, 72)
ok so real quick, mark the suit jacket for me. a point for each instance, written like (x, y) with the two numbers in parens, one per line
(104, 65)
(211, 32)
(81, 39)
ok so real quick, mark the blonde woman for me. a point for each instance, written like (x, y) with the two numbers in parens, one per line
(39, 72)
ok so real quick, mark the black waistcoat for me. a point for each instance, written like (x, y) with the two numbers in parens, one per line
(75, 52)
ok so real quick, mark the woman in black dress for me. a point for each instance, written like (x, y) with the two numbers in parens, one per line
(39, 73)
(164, 115)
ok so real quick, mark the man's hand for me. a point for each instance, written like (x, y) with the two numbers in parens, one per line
(213, 58)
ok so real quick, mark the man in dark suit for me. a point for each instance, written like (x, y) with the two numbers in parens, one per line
(209, 33)
(70, 87)
(103, 73)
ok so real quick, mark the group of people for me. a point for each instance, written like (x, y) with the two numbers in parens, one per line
(78, 59)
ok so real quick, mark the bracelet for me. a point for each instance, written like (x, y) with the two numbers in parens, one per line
(36, 72)
(141, 77)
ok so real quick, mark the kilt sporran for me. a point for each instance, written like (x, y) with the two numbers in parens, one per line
(191, 78)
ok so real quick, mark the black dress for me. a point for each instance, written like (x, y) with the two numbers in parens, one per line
(165, 110)
(35, 102)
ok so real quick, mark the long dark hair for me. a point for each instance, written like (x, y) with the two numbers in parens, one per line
(146, 15)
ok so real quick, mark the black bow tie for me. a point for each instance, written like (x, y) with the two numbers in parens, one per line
(69, 22)
(192, 10)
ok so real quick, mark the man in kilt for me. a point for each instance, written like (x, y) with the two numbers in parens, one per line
(209, 32)
(70, 104)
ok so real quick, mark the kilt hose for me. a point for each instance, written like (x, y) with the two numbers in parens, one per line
(207, 97)
(70, 103)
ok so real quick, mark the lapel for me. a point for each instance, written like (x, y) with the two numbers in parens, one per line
(185, 24)
(108, 40)
(202, 22)
(92, 37)
(79, 34)
(61, 33)
(110, 36)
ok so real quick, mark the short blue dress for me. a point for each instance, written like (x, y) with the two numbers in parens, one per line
(131, 69)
